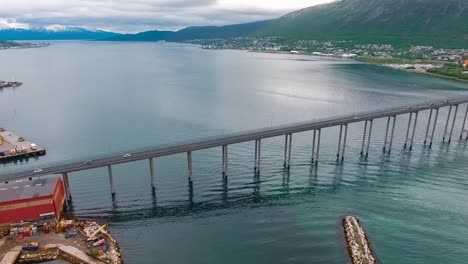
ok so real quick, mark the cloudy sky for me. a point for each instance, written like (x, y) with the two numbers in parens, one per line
(140, 15)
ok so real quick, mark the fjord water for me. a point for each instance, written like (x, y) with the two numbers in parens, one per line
(83, 99)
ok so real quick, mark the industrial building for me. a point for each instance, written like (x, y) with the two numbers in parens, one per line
(32, 200)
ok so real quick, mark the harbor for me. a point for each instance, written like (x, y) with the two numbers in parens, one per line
(16, 147)
(35, 228)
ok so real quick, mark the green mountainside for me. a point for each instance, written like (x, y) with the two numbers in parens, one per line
(440, 23)
(431, 22)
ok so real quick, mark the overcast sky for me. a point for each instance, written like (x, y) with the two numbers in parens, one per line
(140, 15)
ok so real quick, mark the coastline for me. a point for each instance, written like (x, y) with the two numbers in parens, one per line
(395, 66)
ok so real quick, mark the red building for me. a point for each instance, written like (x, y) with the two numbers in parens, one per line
(30, 200)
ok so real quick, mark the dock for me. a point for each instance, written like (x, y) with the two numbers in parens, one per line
(16, 147)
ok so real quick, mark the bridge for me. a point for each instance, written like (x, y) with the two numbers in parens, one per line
(432, 108)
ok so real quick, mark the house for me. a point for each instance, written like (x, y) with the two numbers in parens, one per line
(32, 200)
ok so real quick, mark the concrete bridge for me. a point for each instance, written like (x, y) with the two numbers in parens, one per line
(224, 141)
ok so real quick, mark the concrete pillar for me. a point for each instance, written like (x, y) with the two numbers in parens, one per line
(289, 151)
(339, 143)
(408, 130)
(453, 124)
(369, 138)
(447, 123)
(225, 160)
(428, 126)
(344, 142)
(386, 134)
(111, 180)
(364, 137)
(189, 166)
(256, 156)
(434, 127)
(285, 150)
(414, 131)
(259, 156)
(313, 145)
(464, 123)
(151, 164)
(392, 134)
(318, 145)
(66, 186)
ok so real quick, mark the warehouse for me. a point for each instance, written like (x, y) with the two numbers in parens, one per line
(31, 200)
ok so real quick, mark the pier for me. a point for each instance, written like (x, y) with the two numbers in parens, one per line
(287, 131)
(15, 147)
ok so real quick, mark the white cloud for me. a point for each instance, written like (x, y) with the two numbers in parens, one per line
(139, 15)
(6, 23)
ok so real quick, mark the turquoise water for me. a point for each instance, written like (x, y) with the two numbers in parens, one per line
(83, 99)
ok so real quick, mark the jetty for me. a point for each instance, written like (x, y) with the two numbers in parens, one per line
(4, 84)
(357, 243)
(16, 147)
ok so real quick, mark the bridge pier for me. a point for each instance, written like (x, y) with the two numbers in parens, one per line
(463, 130)
(391, 120)
(447, 124)
(342, 138)
(189, 166)
(411, 128)
(111, 180)
(151, 164)
(287, 151)
(225, 160)
(316, 144)
(66, 185)
(367, 137)
(258, 144)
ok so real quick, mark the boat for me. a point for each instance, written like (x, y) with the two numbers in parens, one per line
(33, 246)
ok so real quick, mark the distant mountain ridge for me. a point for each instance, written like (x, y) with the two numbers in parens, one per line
(201, 32)
(399, 22)
(442, 23)
(54, 32)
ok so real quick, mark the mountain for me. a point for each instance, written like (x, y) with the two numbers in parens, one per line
(153, 35)
(54, 32)
(190, 33)
(433, 22)
(441, 23)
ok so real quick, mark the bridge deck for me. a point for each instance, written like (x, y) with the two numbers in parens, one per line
(159, 151)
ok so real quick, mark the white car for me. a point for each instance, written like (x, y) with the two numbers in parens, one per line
(37, 170)
(127, 155)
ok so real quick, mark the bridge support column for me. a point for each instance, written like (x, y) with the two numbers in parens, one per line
(189, 166)
(225, 160)
(66, 185)
(343, 137)
(258, 144)
(447, 123)
(316, 145)
(287, 150)
(463, 130)
(367, 137)
(111, 180)
(387, 143)
(428, 126)
(411, 128)
(453, 124)
(414, 131)
(151, 164)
